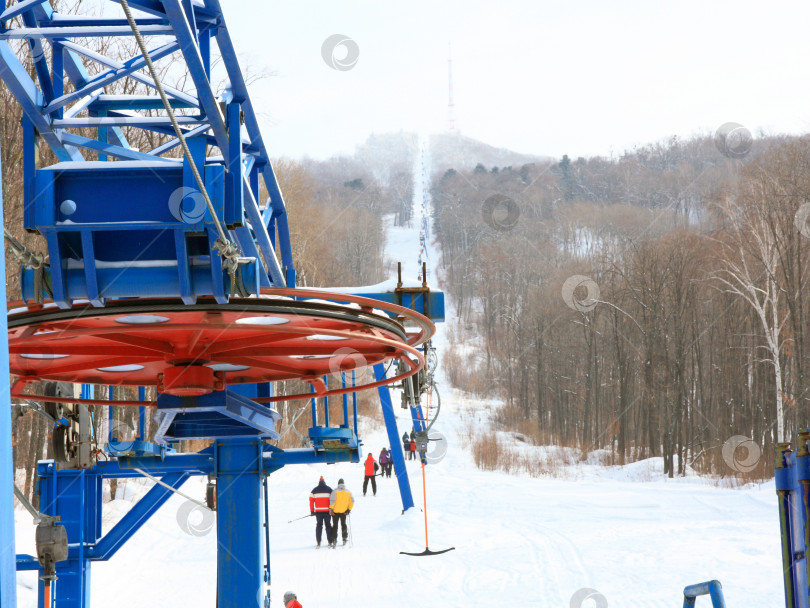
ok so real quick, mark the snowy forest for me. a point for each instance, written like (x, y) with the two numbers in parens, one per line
(648, 305)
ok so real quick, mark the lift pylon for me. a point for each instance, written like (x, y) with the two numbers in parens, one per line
(171, 273)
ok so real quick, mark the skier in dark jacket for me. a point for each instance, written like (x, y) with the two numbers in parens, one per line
(319, 507)
(390, 463)
(406, 443)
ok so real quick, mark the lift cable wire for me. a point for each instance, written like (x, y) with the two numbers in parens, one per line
(33, 260)
(38, 517)
(167, 486)
(228, 250)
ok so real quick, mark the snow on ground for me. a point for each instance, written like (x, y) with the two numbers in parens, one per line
(519, 541)
(628, 532)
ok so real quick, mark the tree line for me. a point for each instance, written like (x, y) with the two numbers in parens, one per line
(646, 305)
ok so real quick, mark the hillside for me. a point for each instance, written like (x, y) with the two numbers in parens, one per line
(385, 153)
(457, 151)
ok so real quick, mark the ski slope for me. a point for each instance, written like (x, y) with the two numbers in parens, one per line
(519, 541)
(627, 532)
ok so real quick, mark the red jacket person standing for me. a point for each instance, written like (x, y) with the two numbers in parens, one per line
(371, 471)
(319, 507)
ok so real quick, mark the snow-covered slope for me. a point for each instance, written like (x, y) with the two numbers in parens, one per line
(627, 532)
(519, 541)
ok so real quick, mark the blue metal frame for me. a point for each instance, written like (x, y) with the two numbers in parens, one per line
(8, 576)
(792, 477)
(394, 439)
(155, 240)
(711, 588)
(84, 245)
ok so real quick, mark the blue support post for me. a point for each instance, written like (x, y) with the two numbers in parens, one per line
(141, 414)
(326, 403)
(110, 414)
(345, 401)
(239, 515)
(711, 588)
(314, 407)
(76, 497)
(792, 480)
(8, 575)
(393, 438)
(354, 401)
(267, 577)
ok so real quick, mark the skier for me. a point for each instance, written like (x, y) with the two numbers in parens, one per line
(390, 464)
(384, 461)
(412, 448)
(406, 443)
(291, 600)
(340, 505)
(319, 507)
(371, 471)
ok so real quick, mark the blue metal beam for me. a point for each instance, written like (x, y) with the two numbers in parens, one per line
(711, 588)
(25, 91)
(138, 515)
(394, 439)
(18, 9)
(239, 514)
(176, 96)
(49, 33)
(102, 80)
(8, 577)
(110, 149)
(187, 42)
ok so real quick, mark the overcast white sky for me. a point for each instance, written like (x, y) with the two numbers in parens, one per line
(550, 78)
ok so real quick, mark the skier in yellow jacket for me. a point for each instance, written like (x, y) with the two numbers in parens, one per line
(340, 504)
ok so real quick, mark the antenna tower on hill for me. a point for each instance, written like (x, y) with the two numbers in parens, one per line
(451, 106)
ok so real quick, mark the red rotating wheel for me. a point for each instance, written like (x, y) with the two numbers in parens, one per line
(191, 350)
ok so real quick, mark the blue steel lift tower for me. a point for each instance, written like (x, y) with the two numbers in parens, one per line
(166, 269)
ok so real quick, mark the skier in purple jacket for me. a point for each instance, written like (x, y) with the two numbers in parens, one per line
(384, 462)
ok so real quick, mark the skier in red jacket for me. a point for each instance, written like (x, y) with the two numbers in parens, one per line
(319, 507)
(291, 600)
(371, 471)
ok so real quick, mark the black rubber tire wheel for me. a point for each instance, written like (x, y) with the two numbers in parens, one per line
(54, 410)
(63, 443)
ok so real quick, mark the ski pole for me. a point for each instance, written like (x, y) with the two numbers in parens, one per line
(351, 535)
(304, 517)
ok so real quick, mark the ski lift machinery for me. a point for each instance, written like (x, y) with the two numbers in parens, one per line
(163, 273)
